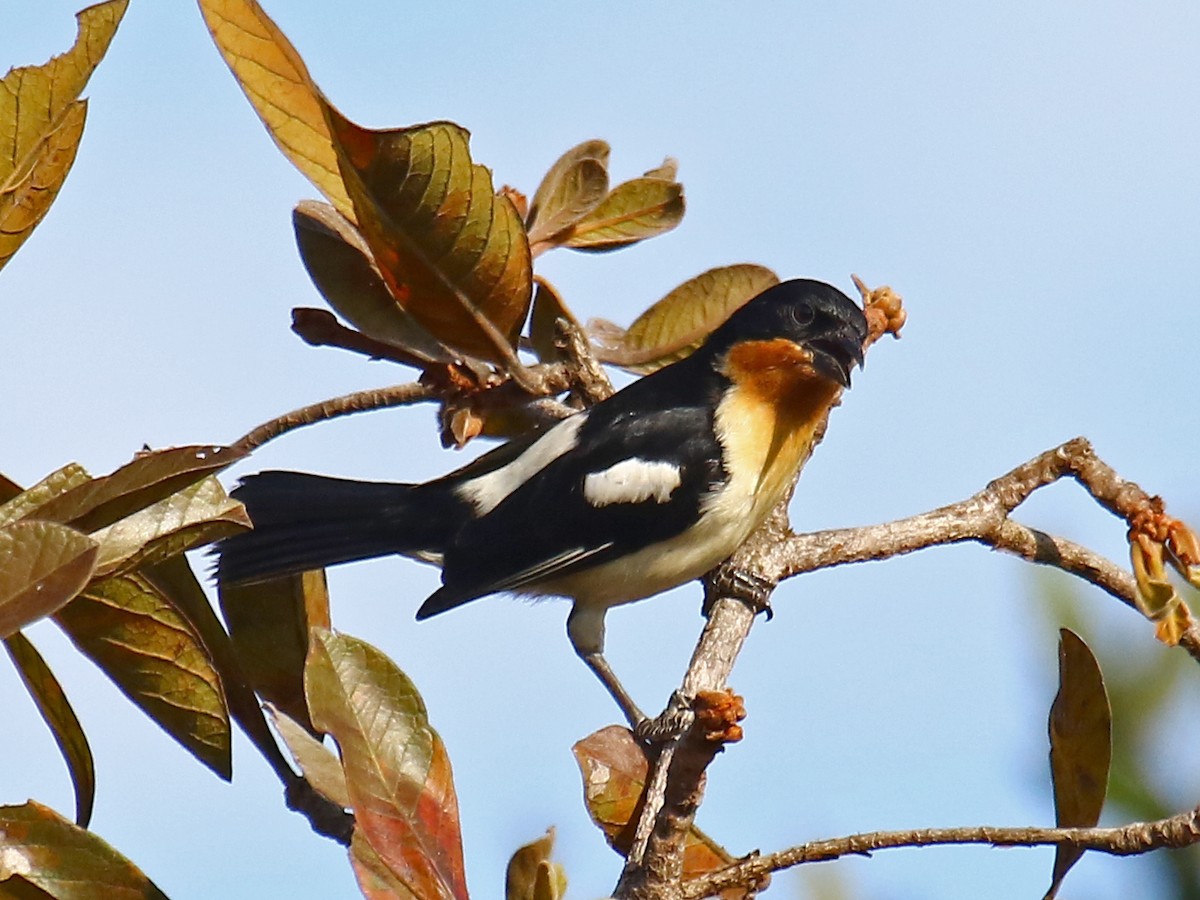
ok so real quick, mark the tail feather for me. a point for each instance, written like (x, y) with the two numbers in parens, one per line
(304, 521)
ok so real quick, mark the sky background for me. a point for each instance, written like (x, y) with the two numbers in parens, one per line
(1024, 174)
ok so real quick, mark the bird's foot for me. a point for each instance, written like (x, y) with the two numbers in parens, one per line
(669, 724)
(730, 581)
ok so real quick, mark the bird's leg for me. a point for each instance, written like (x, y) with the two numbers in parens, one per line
(585, 627)
(727, 580)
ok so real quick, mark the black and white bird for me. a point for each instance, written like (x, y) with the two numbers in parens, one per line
(646, 490)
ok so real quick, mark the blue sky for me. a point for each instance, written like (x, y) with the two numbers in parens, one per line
(1024, 174)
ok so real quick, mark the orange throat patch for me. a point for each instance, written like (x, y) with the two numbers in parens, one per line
(774, 412)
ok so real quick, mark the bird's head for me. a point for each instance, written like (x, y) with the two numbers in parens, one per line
(813, 320)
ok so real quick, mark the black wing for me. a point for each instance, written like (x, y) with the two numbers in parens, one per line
(548, 527)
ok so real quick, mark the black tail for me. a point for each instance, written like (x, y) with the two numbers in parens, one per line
(304, 521)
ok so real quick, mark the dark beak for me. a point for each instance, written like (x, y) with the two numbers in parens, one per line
(834, 355)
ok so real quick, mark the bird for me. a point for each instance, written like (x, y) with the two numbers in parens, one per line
(646, 490)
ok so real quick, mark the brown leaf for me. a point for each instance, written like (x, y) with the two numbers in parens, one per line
(1080, 746)
(188, 518)
(396, 766)
(679, 322)
(24, 504)
(269, 623)
(41, 121)
(127, 627)
(375, 880)
(573, 187)
(454, 254)
(151, 476)
(276, 82)
(341, 266)
(66, 861)
(614, 769)
(548, 308)
(633, 211)
(42, 566)
(531, 875)
(318, 764)
(57, 713)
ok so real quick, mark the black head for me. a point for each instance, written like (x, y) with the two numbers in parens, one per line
(815, 315)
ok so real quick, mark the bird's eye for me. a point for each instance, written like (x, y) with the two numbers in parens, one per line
(801, 313)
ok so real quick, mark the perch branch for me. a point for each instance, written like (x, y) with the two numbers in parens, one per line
(1181, 830)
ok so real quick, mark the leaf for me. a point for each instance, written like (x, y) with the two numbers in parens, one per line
(17, 887)
(195, 515)
(148, 478)
(548, 308)
(1080, 746)
(64, 860)
(340, 264)
(26, 503)
(276, 82)
(633, 211)
(41, 122)
(27, 195)
(679, 322)
(42, 566)
(129, 630)
(375, 880)
(614, 769)
(573, 187)
(57, 713)
(454, 255)
(531, 875)
(269, 623)
(318, 764)
(397, 770)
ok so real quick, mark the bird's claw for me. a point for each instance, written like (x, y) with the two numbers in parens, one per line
(731, 581)
(669, 724)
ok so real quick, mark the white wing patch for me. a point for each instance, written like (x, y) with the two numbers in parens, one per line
(486, 491)
(632, 481)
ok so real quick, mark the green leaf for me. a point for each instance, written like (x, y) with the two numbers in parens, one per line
(198, 514)
(397, 770)
(318, 764)
(1080, 746)
(127, 627)
(177, 583)
(150, 477)
(57, 713)
(26, 503)
(633, 211)
(531, 875)
(454, 254)
(41, 122)
(42, 566)
(340, 264)
(64, 860)
(573, 187)
(679, 322)
(269, 623)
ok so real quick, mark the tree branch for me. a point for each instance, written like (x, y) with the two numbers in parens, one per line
(774, 553)
(1181, 830)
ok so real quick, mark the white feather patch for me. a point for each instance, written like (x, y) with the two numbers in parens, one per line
(632, 481)
(486, 491)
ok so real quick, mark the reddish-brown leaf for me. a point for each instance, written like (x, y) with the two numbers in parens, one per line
(65, 860)
(454, 254)
(397, 770)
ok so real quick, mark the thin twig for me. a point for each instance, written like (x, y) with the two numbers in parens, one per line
(359, 401)
(1181, 830)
